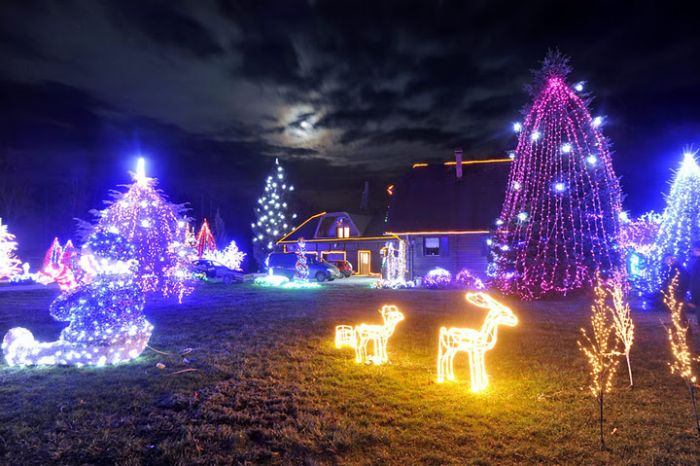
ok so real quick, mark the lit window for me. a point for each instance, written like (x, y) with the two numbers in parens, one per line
(431, 246)
(343, 232)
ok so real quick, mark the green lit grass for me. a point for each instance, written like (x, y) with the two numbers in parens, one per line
(270, 387)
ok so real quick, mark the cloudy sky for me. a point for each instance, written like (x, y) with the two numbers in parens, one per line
(212, 91)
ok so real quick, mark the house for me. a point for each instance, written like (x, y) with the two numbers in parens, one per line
(445, 213)
(357, 238)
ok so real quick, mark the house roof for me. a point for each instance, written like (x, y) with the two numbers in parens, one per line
(430, 198)
(367, 227)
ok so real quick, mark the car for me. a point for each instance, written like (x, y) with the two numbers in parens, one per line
(213, 271)
(344, 266)
(281, 263)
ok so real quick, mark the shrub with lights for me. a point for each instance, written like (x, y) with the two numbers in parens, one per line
(465, 279)
(560, 218)
(9, 264)
(680, 223)
(157, 231)
(105, 313)
(230, 256)
(272, 217)
(437, 278)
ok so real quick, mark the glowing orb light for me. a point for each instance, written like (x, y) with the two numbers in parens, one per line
(474, 342)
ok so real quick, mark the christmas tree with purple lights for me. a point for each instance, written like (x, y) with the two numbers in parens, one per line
(560, 218)
(156, 229)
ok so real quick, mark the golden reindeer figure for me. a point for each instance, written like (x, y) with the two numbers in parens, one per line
(475, 342)
(378, 335)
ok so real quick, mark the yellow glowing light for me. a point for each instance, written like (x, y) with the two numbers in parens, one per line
(602, 348)
(621, 315)
(474, 162)
(682, 363)
(474, 342)
(378, 335)
(420, 165)
(344, 336)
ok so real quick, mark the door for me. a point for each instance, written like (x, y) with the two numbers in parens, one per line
(364, 262)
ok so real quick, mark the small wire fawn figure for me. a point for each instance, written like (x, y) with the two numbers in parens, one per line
(378, 335)
(475, 342)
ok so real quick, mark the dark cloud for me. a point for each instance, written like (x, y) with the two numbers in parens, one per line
(212, 91)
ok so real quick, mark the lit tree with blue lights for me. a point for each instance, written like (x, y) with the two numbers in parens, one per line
(680, 225)
(272, 217)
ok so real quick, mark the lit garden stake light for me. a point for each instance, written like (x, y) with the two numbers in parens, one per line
(621, 315)
(378, 335)
(601, 350)
(682, 362)
(474, 342)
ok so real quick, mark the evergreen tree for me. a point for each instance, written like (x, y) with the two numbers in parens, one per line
(9, 264)
(272, 217)
(680, 224)
(155, 228)
(560, 218)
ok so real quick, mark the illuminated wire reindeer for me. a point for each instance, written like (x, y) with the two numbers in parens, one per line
(475, 342)
(378, 335)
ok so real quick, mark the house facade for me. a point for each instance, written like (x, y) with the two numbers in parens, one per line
(445, 213)
(357, 238)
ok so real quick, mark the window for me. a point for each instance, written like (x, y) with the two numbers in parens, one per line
(343, 232)
(431, 246)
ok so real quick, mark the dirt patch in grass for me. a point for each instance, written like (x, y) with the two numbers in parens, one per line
(270, 387)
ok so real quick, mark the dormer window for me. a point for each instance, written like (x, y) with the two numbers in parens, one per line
(343, 232)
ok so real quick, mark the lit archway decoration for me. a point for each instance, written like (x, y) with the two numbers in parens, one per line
(474, 342)
(378, 335)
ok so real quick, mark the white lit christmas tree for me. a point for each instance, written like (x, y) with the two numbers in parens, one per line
(157, 231)
(9, 264)
(680, 224)
(272, 217)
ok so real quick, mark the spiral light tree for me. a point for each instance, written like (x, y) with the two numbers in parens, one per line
(560, 218)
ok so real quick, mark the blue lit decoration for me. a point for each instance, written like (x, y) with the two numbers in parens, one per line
(158, 232)
(638, 242)
(680, 225)
(105, 313)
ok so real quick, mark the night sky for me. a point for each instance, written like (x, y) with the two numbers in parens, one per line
(342, 92)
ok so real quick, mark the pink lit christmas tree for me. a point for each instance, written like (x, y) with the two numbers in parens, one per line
(156, 229)
(560, 218)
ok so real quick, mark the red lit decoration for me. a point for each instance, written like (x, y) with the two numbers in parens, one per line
(560, 218)
(205, 240)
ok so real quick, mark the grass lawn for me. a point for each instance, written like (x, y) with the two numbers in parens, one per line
(270, 387)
